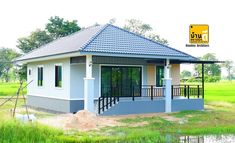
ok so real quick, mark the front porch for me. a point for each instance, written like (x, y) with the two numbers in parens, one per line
(151, 99)
(136, 85)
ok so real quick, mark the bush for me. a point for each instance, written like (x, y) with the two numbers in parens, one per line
(212, 78)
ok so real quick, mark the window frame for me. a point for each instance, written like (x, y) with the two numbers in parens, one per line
(41, 67)
(159, 78)
(55, 82)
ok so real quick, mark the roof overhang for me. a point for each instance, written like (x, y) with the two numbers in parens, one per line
(185, 61)
(45, 58)
(130, 55)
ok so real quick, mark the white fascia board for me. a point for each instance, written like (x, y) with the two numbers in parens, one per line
(45, 58)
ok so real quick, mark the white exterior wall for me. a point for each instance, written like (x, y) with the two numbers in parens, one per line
(78, 73)
(73, 79)
(48, 89)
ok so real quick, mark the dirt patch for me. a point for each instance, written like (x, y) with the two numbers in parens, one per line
(85, 120)
(170, 118)
(82, 121)
(220, 104)
(138, 124)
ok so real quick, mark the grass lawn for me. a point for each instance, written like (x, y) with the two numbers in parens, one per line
(218, 118)
(9, 89)
(220, 91)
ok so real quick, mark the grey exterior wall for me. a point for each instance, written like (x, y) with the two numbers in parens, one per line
(53, 104)
(187, 104)
(136, 107)
(157, 105)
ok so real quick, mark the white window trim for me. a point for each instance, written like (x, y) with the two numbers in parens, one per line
(62, 78)
(40, 66)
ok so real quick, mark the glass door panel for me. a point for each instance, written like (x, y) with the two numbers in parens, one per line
(120, 80)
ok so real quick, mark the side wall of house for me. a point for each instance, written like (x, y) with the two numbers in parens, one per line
(48, 89)
(48, 96)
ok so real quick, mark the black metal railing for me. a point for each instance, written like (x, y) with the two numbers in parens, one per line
(105, 102)
(110, 95)
(152, 91)
(187, 91)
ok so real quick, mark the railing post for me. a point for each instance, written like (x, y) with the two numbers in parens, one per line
(184, 90)
(151, 92)
(103, 103)
(107, 101)
(133, 93)
(188, 91)
(118, 97)
(172, 92)
(111, 99)
(114, 98)
(99, 105)
(198, 91)
(203, 81)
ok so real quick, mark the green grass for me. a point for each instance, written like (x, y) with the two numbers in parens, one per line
(9, 89)
(220, 91)
(218, 118)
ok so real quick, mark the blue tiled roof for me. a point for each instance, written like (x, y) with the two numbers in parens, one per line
(115, 40)
(107, 40)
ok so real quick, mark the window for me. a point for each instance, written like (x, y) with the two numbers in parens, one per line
(40, 76)
(58, 76)
(159, 76)
(30, 72)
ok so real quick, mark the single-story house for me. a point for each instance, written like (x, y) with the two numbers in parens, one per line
(110, 71)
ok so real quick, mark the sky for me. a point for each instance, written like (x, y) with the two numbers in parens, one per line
(169, 18)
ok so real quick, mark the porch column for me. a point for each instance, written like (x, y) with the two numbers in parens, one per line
(167, 82)
(89, 86)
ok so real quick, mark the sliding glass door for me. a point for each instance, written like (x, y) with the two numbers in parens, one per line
(120, 81)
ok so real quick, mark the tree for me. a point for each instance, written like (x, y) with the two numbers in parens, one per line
(6, 57)
(112, 21)
(185, 74)
(58, 27)
(228, 65)
(210, 70)
(34, 40)
(140, 28)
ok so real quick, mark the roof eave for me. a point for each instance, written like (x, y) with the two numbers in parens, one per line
(138, 55)
(48, 57)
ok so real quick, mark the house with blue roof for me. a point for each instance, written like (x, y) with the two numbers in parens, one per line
(109, 71)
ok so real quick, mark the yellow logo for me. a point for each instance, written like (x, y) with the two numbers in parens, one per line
(199, 34)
